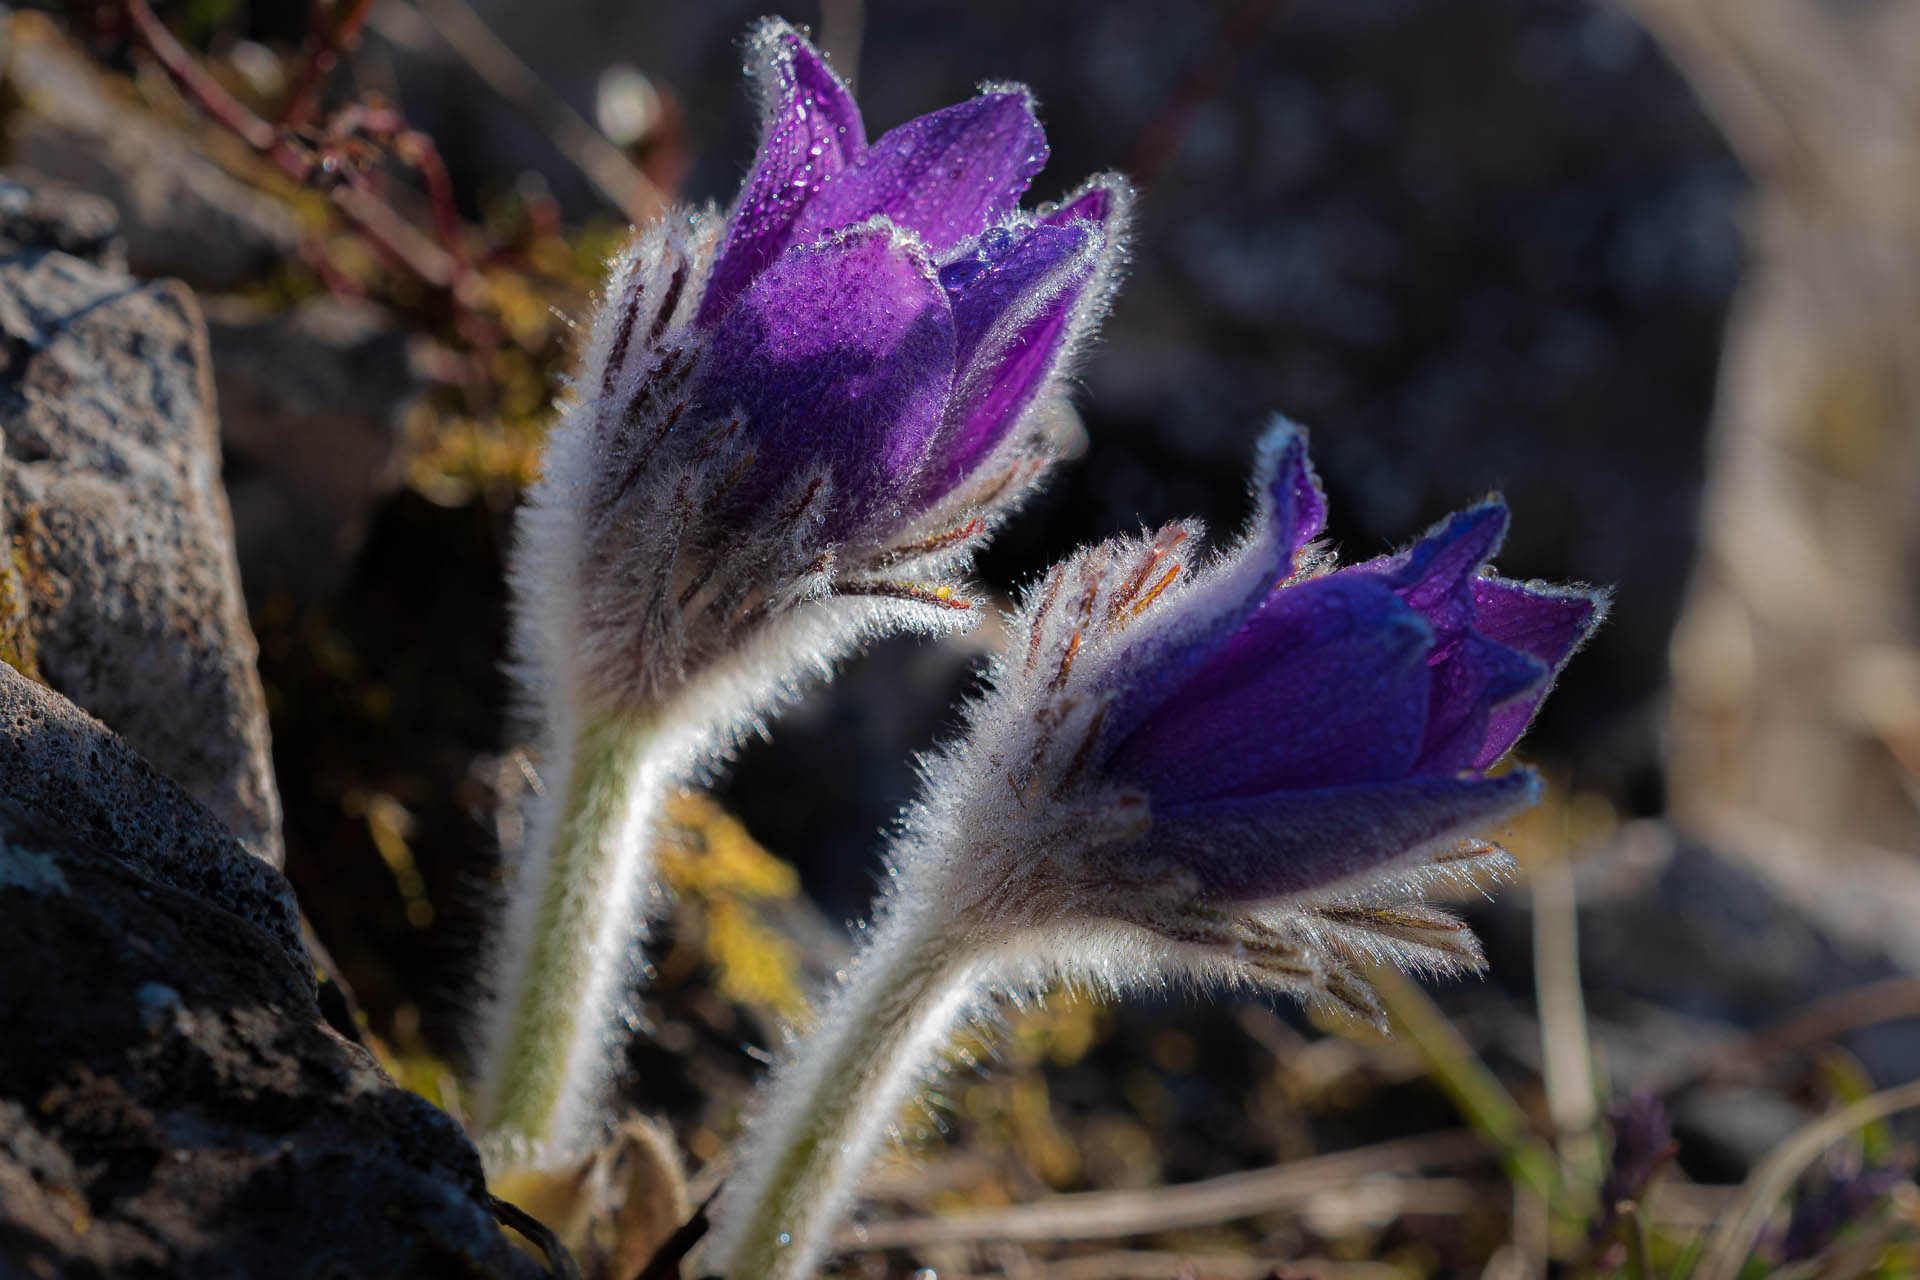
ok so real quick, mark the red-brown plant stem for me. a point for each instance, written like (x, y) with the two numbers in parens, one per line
(334, 30)
(207, 92)
(443, 265)
(417, 151)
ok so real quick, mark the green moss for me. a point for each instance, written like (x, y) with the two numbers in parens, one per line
(18, 647)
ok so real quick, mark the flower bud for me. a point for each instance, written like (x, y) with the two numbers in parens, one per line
(1248, 768)
(797, 425)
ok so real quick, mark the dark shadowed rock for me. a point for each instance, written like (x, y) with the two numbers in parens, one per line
(171, 1102)
(60, 764)
(1707, 932)
(311, 406)
(1686, 946)
(37, 214)
(119, 529)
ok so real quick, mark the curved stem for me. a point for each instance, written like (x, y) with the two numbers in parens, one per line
(562, 963)
(843, 1088)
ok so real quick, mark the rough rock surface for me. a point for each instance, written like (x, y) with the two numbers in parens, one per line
(118, 525)
(42, 216)
(171, 1102)
(62, 765)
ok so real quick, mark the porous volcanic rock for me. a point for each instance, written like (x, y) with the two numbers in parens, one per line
(118, 526)
(172, 1103)
(68, 770)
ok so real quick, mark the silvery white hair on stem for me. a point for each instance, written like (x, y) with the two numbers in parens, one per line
(1244, 771)
(791, 430)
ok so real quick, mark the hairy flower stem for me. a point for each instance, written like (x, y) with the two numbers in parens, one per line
(844, 1087)
(560, 970)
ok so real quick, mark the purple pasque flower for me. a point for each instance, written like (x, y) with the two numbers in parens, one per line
(1240, 771)
(1252, 767)
(1849, 1198)
(815, 410)
(1642, 1146)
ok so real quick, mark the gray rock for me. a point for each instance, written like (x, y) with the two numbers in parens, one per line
(35, 213)
(111, 490)
(60, 764)
(1729, 1129)
(1696, 939)
(311, 407)
(171, 1102)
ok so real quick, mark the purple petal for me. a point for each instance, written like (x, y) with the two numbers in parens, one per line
(1292, 511)
(811, 130)
(1434, 574)
(1548, 623)
(1000, 279)
(1477, 676)
(1326, 686)
(839, 356)
(1013, 311)
(948, 175)
(1264, 847)
(1096, 204)
(1298, 508)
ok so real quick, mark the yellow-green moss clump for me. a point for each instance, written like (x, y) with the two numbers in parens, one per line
(18, 647)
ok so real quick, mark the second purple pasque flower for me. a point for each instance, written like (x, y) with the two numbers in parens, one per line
(813, 412)
(1239, 770)
(1249, 768)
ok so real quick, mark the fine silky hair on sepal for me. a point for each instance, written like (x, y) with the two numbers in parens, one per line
(793, 427)
(552, 654)
(1238, 771)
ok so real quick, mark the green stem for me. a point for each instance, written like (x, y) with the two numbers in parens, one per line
(1481, 1098)
(560, 978)
(845, 1087)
